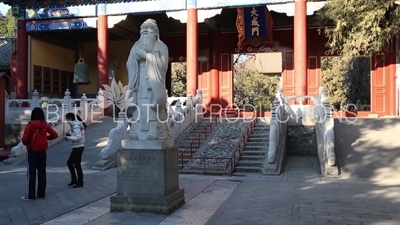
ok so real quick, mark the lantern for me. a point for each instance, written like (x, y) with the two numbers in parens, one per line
(81, 72)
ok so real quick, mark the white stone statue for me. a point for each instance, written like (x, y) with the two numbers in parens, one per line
(147, 67)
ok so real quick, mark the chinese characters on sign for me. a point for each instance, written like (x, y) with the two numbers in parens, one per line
(255, 26)
(254, 21)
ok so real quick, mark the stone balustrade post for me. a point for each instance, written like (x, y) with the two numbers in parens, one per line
(199, 95)
(189, 100)
(64, 111)
(273, 113)
(277, 108)
(35, 99)
(322, 94)
(67, 99)
(327, 109)
(279, 95)
(121, 115)
(122, 121)
(199, 104)
(178, 111)
(189, 106)
(102, 103)
(84, 107)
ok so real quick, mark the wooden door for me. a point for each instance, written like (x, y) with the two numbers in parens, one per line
(204, 82)
(381, 81)
(313, 75)
(288, 74)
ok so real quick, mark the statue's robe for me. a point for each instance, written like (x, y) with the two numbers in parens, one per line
(147, 85)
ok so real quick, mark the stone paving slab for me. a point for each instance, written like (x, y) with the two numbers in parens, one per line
(327, 201)
(59, 197)
(203, 196)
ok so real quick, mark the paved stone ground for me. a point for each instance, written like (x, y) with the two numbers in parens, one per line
(59, 198)
(299, 196)
(306, 199)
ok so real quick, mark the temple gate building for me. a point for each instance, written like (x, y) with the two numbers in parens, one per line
(53, 34)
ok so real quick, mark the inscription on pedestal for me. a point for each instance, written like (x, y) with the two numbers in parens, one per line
(134, 166)
(145, 172)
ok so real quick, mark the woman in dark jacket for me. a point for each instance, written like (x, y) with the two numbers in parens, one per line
(36, 135)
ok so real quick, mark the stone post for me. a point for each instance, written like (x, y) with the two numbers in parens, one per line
(35, 99)
(67, 99)
(327, 109)
(122, 121)
(199, 105)
(278, 115)
(64, 111)
(102, 104)
(273, 113)
(199, 94)
(178, 116)
(84, 107)
(189, 106)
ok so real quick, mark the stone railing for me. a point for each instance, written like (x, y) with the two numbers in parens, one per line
(316, 113)
(180, 119)
(325, 134)
(51, 104)
(277, 125)
(88, 111)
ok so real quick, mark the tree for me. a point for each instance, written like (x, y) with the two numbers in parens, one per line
(8, 26)
(3, 25)
(178, 79)
(346, 83)
(253, 88)
(360, 27)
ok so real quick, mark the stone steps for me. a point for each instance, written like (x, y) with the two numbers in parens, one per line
(247, 169)
(183, 144)
(253, 156)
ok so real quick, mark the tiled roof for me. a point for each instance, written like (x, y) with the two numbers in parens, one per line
(5, 56)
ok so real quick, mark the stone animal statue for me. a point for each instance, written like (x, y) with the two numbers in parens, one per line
(116, 135)
(18, 150)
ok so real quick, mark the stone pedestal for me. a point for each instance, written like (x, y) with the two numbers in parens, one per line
(147, 179)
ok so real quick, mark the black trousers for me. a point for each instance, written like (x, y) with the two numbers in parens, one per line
(36, 161)
(74, 163)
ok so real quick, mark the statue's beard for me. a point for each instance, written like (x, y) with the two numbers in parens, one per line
(147, 41)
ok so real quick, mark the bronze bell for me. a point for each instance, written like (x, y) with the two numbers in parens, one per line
(81, 72)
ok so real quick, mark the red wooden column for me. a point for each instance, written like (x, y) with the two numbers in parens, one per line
(191, 49)
(300, 47)
(215, 66)
(22, 61)
(102, 50)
